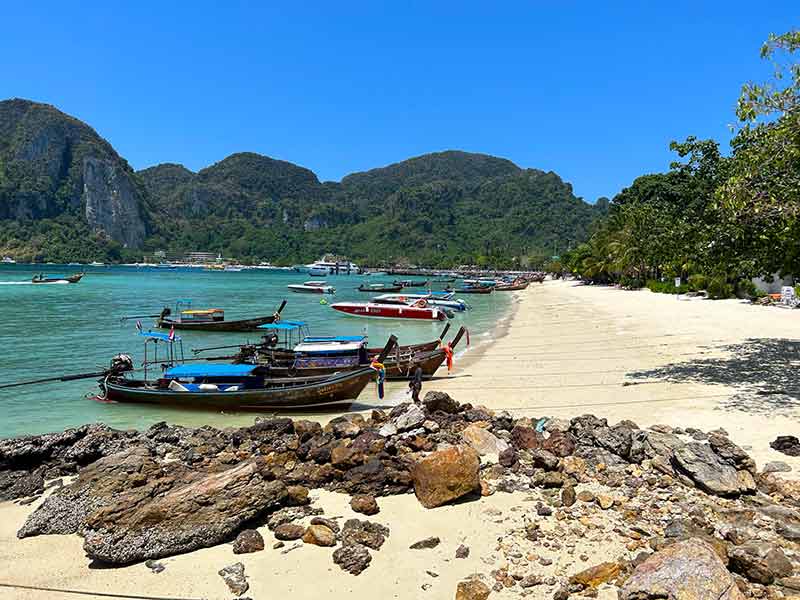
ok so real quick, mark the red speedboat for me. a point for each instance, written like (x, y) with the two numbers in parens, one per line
(418, 311)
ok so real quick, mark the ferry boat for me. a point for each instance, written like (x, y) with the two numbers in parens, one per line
(328, 266)
(415, 312)
(312, 287)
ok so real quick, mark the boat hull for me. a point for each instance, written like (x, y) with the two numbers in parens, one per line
(389, 311)
(286, 394)
(235, 325)
(308, 289)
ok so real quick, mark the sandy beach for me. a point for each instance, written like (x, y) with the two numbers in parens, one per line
(566, 350)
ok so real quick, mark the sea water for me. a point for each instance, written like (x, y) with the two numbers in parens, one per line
(51, 330)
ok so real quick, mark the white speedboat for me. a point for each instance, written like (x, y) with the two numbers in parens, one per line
(312, 287)
(7, 260)
(445, 300)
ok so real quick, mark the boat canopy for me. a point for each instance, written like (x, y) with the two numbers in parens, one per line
(201, 311)
(210, 371)
(329, 347)
(153, 335)
(284, 325)
(334, 338)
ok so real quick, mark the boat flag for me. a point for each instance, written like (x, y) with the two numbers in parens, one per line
(139, 325)
(172, 334)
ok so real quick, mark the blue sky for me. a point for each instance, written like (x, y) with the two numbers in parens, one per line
(592, 90)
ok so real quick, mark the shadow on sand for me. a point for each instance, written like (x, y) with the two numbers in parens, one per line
(764, 372)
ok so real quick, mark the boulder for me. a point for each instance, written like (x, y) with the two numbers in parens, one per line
(688, 570)
(288, 532)
(472, 589)
(364, 533)
(329, 523)
(319, 535)
(559, 443)
(760, 562)
(788, 444)
(20, 484)
(484, 442)
(526, 438)
(462, 551)
(364, 504)
(248, 541)
(776, 466)
(352, 558)
(446, 475)
(440, 402)
(411, 418)
(710, 472)
(202, 513)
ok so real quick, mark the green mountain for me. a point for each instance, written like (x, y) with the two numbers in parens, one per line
(61, 184)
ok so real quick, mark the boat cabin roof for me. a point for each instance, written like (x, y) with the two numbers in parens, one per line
(202, 311)
(212, 370)
(334, 338)
(329, 347)
(284, 325)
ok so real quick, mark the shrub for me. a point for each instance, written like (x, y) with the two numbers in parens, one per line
(719, 288)
(745, 288)
(630, 283)
(666, 287)
(698, 282)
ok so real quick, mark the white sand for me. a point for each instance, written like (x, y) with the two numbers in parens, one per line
(567, 351)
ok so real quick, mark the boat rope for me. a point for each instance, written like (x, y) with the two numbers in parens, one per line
(93, 594)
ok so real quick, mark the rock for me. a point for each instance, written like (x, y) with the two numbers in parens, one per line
(440, 402)
(425, 544)
(288, 532)
(201, 513)
(462, 551)
(760, 562)
(365, 533)
(235, 579)
(788, 531)
(329, 523)
(543, 459)
(20, 484)
(711, 473)
(605, 501)
(508, 457)
(484, 442)
(297, 495)
(731, 453)
(387, 430)
(319, 535)
(788, 444)
(472, 589)
(154, 566)
(290, 514)
(688, 570)
(530, 581)
(346, 425)
(572, 465)
(568, 496)
(586, 496)
(776, 466)
(364, 504)
(248, 541)
(412, 418)
(446, 475)
(526, 438)
(352, 558)
(596, 575)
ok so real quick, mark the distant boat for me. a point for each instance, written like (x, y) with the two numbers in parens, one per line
(379, 287)
(209, 319)
(7, 260)
(71, 279)
(94, 263)
(232, 268)
(323, 268)
(390, 311)
(312, 287)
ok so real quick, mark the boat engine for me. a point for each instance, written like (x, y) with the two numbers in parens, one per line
(120, 364)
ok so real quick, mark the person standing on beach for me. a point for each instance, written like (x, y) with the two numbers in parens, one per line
(415, 385)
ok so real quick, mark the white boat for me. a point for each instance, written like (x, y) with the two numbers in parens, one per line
(94, 263)
(443, 300)
(232, 268)
(7, 260)
(323, 268)
(312, 287)
(390, 311)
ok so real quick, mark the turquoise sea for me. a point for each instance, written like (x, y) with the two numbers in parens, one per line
(48, 330)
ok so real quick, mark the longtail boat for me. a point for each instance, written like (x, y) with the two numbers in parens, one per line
(70, 279)
(406, 283)
(485, 289)
(207, 319)
(238, 386)
(418, 311)
(512, 287)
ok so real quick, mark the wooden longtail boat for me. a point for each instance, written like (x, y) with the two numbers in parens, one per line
(407, 283)
(475, 290)
(211, 319)
(71, 279)
(238, 387)
(512, 287)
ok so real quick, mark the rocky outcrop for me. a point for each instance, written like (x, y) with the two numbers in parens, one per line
(689, 570)
(198, 513)
(111, 201)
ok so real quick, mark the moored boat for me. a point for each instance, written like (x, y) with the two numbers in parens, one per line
(379, 287)
(418, 312)
(445, 301)
(312, 287)
(406, 283)
(475, 290)
(206, 319)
